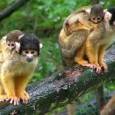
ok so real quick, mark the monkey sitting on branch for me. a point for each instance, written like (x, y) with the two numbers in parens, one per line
(17, 70)
(83, 37)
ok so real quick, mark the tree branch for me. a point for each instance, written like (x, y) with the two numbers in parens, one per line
(61, 89)
(12, 8)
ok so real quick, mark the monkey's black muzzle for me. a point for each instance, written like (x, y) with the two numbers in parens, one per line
(28, 59)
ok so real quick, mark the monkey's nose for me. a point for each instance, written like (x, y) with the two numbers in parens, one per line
(28, 59)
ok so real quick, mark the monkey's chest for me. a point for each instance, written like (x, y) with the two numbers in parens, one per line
(24, 71)
(21, 69)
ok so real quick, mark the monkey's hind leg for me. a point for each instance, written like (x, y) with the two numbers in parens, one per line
(21, 84)
(79, 58)
(101, 58)
(92, 54)
(3, 96)
(9, 87)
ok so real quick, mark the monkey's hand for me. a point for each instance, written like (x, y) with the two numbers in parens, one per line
(24, 96)
(13, 100)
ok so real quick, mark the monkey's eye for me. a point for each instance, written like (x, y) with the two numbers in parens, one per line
(26, 51)
(8, 44)
(34, 52)
(93, 18)
(12, 44)
(98, 18)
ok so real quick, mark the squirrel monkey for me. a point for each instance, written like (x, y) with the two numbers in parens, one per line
(73, 36)
(13, 37)
(17, 70)
(78, 41)
(76, 35)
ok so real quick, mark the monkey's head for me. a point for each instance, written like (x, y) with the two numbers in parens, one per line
(29, 47)
(96, 13)
(13, 37)
(112, 20)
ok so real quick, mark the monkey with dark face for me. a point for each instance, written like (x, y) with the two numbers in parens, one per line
(17, 70)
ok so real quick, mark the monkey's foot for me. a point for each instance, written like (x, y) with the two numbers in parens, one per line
(88, 65)
(94, 67)
(104, 67)
(13, 100)
(24, 97)
(3, 98)
(97, 69)
(84, 63)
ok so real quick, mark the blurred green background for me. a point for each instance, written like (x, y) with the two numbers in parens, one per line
(45, 18)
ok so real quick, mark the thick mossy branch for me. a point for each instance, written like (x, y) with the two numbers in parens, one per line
(58, 90)
(12, 8)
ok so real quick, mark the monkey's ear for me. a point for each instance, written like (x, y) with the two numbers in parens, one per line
(105, 10)
(88, 11)
(107, 16)
(41, 45)
(73, 19)
(17, 46)
(20, 36)
(4, 37)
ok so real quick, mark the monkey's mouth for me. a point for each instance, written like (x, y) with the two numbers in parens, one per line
(96, 22)
(11, 49)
